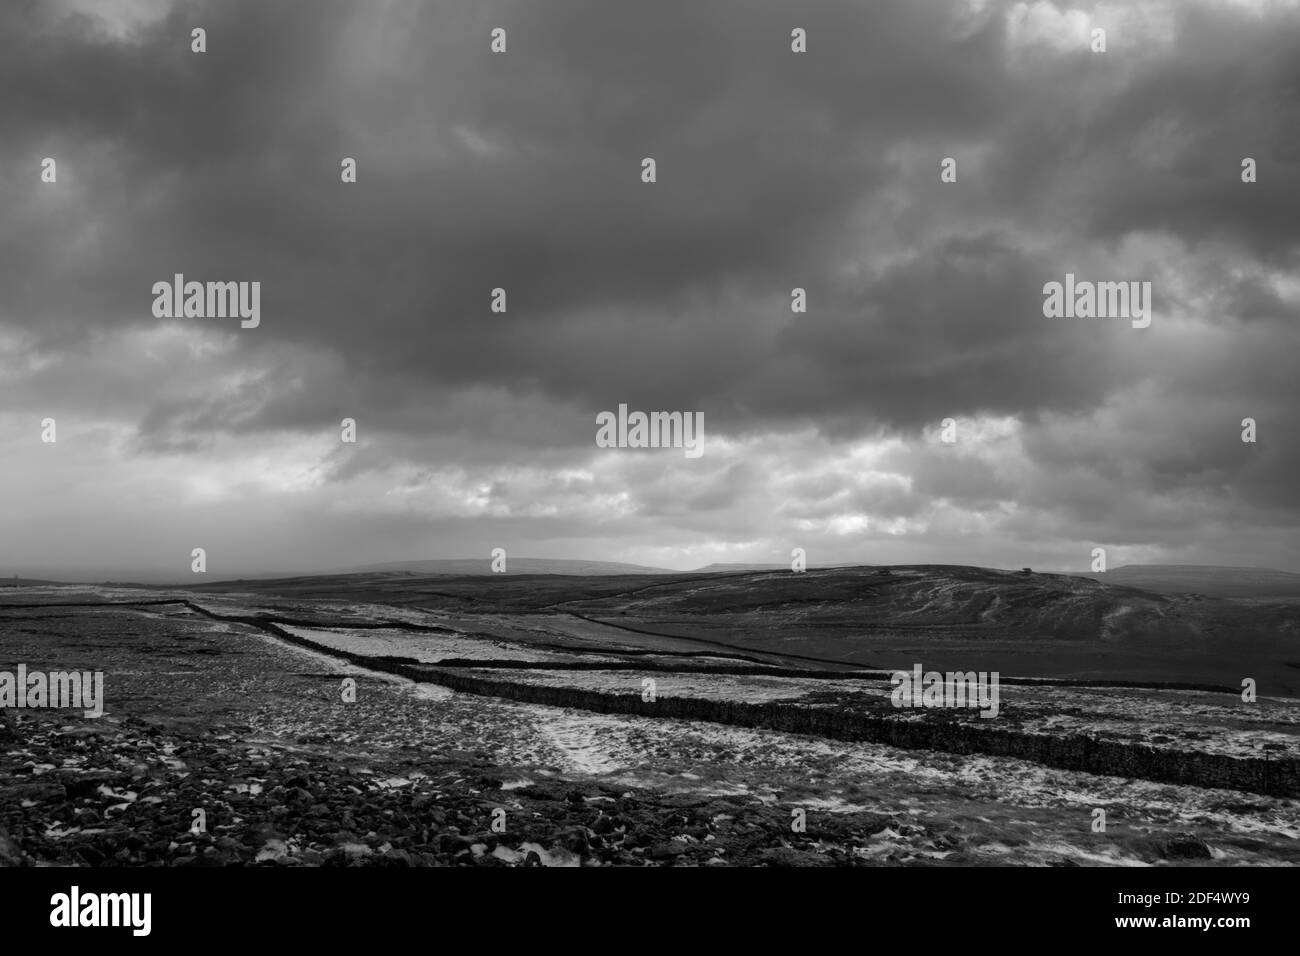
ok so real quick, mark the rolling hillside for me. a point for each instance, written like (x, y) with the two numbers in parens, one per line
(1203, 579)
(1044, 625)
(513, 566)
(946, 617)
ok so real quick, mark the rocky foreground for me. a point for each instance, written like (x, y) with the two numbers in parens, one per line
(222, 748)
(128, 797)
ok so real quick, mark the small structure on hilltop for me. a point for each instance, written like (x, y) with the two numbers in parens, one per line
(1026, 571)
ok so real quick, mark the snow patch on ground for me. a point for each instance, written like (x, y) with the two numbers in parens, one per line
(580, 740)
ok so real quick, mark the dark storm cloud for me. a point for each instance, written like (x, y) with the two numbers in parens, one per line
(775, 171)
(226, 164)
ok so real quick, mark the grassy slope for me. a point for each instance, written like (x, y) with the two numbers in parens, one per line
(461, 566)
(947, 617)
(1209, 581)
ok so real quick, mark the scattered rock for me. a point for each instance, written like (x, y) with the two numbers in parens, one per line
(1186, 846)
(667, 851)
(10, 855)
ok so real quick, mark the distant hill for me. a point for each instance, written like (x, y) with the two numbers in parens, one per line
(1225, 582)
(514, 565)
(721, 568)
(969, 618)
(944, 616)
(732, 568)
(549, 566)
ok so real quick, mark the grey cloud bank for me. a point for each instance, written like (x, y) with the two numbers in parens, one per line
(521, 170)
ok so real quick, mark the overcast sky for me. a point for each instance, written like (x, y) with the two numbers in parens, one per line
(522, 170)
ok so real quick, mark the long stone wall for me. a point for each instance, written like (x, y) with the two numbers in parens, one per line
(1068, 752)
